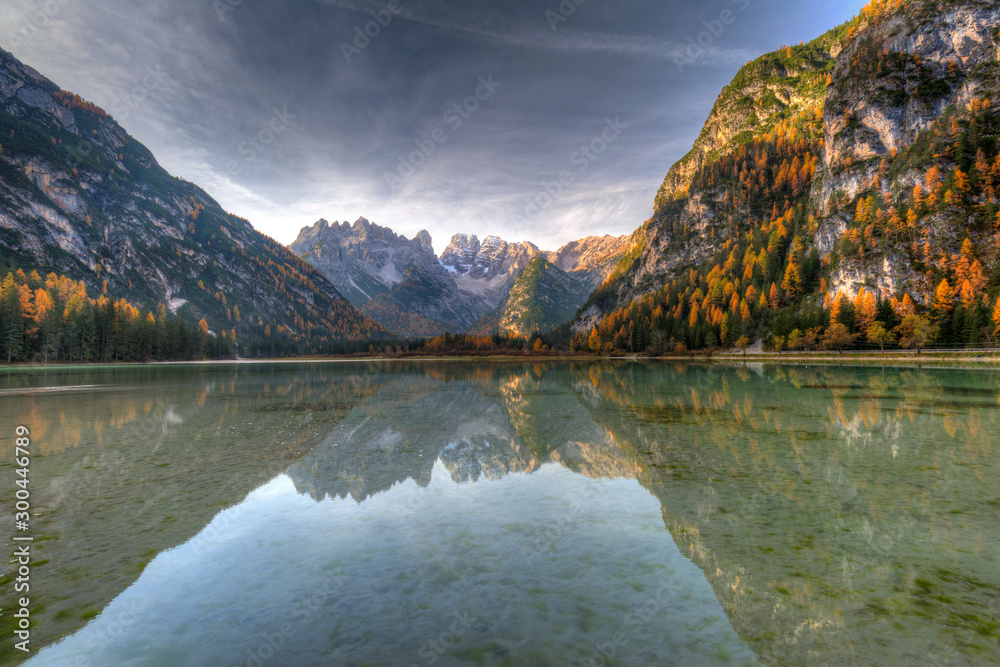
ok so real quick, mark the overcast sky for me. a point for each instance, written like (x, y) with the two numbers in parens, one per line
(284, 114)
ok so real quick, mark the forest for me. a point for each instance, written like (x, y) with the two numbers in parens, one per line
(767, 281)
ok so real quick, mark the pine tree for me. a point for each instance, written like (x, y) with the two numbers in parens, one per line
(865, 310)
(12, 329)
(792, 282)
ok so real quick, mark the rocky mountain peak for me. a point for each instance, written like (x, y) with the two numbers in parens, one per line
(461, 252)
(424, 238)
(593, 256)
(493, 257)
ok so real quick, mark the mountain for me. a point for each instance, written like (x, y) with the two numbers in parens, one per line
(542, 298)
(362, 260)
(592, 258)
(493, 260)
(851, 179)
(80, 197)
(402, 285)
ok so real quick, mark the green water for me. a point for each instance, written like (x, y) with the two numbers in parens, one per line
(508, 514)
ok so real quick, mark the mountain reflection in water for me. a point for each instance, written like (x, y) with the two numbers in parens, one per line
(512, 514)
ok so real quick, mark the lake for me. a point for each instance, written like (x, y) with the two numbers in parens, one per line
(508, 513)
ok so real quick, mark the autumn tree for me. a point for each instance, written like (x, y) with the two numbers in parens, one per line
(742, 343)
(594, 341)
(916, 331)
(879, 335)
(865, 310)
(778, 344)
(774, 297)
(794, 340)
(837, 337)
(792, 282)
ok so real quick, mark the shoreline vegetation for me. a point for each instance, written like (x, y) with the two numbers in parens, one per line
(52, 320)
(864, 358)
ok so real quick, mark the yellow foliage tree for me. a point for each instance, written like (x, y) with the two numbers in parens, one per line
(865, 310)
(594, 341)
(944, 297)
(793, 280)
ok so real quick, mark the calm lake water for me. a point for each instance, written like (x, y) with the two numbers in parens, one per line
(509, 514)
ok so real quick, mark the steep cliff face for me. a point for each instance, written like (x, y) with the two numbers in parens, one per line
(362, 260)
(777, 85)
(692, 215)
(592, 258)
(401, 284)
(490, 259)
(910, 72)
(80, 197)
(542, 298)
(859, 165)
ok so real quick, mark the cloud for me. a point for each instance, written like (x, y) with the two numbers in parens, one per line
(540, 34)
(353, 121)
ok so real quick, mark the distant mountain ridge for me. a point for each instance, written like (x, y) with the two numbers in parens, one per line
(403, 286)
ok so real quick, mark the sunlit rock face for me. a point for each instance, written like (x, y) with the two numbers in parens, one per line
(489, 259)
(592, 258)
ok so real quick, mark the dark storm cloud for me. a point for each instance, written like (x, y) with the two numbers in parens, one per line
(261, 102)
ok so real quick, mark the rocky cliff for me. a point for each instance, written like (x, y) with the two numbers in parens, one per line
(688, 212)
(493, 258)
(362, 260)
(911, 77)
(854, 172)
(80, 197)
(592, 258)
